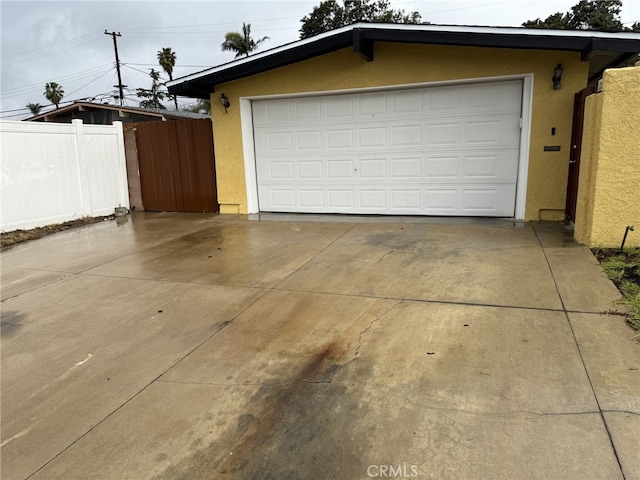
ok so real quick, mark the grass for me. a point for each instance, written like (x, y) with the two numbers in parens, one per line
(623, 268)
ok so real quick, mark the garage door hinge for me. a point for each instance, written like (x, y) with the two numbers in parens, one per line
(521, 122)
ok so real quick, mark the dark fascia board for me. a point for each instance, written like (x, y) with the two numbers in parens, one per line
(202, 87)
(361, 37)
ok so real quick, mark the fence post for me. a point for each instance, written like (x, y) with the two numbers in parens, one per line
(122, 163)
(83, 176)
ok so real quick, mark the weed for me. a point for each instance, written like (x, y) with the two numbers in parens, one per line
(615, 266)
(623, 268)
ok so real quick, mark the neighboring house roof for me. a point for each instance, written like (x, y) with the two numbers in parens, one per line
(123, 111)
(601, 49)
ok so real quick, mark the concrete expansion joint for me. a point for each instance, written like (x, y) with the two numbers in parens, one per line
(26, 292)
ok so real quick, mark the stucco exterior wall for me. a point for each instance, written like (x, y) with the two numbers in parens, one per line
(609, 183)
(400, 64)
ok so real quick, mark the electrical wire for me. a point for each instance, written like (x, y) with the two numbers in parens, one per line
(63, 78)
(89, 83)
(48, 46)
(175, 66)
(48, 54)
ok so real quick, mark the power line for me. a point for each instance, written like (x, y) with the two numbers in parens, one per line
(48, 54)
(175, 66)
(89, 83)
(16, 91)
(132, 30)
(48, 46)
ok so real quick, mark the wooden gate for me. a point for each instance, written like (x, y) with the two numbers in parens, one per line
(176, 163)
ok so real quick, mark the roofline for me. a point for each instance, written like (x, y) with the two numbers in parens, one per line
(108, 106)
(361, 36)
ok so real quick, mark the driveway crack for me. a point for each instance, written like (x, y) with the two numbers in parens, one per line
(375, 320)
(505, 412)
(356, 353)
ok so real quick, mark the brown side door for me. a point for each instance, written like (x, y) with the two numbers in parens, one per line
(576, 146)
(176, 163)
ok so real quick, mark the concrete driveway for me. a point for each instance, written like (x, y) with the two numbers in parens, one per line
(175, 346)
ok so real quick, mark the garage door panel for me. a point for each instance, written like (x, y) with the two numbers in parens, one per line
(275, 111)
(488, 201)
(340, 169)
(441, 201)
(407, 102)
(340, 138)
(372, 104)
(370, 199)
(311, 199)
(436, 151)
(491, 166)
(309, 109)
(311, 140)
(503, 131)
(455, 166)
(471, 200)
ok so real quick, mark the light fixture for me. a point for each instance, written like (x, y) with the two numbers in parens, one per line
(224, 100)
(557, 76)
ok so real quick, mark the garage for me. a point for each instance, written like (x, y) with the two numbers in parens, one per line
(444, 150)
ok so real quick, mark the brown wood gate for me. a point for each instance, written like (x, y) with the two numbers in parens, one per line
(176, 163)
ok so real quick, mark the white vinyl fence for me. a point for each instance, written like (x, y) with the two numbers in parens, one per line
(54, 172)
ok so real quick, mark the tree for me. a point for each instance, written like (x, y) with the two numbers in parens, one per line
(167, 60)
(241, 43)
(34, 108)
(152, 97)
(201, 106)
(601, 15)
(330, 15)
(54, 93)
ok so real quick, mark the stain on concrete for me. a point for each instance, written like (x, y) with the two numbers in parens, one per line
(291, 430)
(10, 322)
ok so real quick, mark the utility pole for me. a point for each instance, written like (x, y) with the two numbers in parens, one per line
(115, 47)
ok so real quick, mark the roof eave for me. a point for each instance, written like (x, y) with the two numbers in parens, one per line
(362, 36)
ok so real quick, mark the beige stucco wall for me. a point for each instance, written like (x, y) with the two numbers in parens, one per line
(399, 64)
(609, 183)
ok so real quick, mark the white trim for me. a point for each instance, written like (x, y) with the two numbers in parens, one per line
(532, 32)
(246, 120)
(250, 174)
(525, 145)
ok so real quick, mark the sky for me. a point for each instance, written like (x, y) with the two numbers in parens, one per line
(64, 42)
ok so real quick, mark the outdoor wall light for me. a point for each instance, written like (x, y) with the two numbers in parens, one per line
(224, 100)
(557, 76)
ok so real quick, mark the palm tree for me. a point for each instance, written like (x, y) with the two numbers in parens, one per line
(54, 93)
(34, 107)
(241, 43)
(167, 60)
(201, 106)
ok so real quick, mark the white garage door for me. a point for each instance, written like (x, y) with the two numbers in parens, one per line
(430, 151)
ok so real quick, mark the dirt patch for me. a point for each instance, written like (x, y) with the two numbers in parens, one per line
(8, 239)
